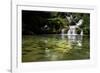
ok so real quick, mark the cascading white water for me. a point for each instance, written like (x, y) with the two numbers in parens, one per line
(81, 32)
(63, 31)
(72, 30)
(79, 22)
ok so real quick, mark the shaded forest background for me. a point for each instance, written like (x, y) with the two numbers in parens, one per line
(40, 22)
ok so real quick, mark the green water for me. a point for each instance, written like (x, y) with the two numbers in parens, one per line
(37, 48)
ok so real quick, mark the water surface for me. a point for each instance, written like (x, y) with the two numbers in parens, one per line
(55, 47)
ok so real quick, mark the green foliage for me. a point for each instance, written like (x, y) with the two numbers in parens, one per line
(86, 24)
(33, 21)
(57, 23)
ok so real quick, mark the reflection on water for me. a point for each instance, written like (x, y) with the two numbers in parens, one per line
(55, 48)
(75, 40)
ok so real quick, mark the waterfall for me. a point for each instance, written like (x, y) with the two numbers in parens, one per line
(81, 32)
(72, 30)
(63, 31)
(79, 22)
